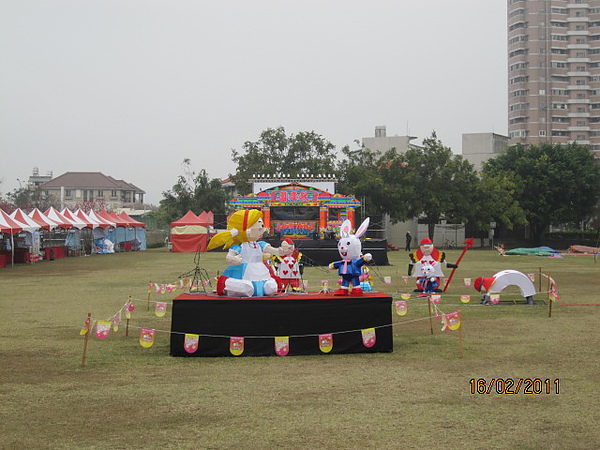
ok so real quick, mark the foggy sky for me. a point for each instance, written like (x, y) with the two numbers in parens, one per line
(130, 88)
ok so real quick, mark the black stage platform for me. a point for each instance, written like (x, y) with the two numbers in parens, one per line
(301, 317)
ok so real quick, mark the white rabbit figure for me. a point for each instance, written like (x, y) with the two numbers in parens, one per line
(350, 267)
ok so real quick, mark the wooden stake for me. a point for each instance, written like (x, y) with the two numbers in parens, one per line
(86, 338)
(430, 314)
(460, 337)
(540, 280)
(550, 298)
(127, 327)
(148, 299)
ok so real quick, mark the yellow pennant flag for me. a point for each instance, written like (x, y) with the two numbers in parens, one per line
(465, 298)
(451, 321)
(326, 342)
(147, 337)
(86, 327)
(160, 309)
(236, 345)
(401, 307)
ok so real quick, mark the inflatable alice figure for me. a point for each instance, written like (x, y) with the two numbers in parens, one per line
(428, 255)
(350, 267)
(501, 280)
(247, 274)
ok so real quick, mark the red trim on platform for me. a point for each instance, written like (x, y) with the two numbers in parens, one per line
(310, 295)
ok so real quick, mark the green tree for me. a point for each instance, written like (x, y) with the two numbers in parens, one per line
(193, 191)
(496, 202)
(427, 182)
(555, 183)
(30, 197)
(440, 185)
(378, 180)
(276, 153)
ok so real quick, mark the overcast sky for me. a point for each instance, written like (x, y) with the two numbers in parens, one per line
(130, 88)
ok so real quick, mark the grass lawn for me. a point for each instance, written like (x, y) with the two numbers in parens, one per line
(419, 396)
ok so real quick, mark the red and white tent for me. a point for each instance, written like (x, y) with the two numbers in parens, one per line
(131, 222)
(11, 227)
(44, 222)
(28, 223)
(112, 218)
(57, 217)
(75, 221)
(8, 225)
(102, 222)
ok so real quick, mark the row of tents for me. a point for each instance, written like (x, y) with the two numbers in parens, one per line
(29, 237)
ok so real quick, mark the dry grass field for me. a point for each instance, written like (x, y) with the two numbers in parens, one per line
(419, 396)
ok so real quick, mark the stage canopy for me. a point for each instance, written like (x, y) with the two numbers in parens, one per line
(189, 234)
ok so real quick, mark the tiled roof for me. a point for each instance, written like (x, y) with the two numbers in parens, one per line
(87, 180)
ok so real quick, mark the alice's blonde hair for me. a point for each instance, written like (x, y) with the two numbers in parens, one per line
(237, 225)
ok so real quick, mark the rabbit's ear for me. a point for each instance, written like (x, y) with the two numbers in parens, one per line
(363, 228)
(345, 228)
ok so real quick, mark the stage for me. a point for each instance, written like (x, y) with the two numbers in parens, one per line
(303, 318)
(321, 252)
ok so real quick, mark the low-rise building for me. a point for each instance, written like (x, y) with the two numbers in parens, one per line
(72, 188)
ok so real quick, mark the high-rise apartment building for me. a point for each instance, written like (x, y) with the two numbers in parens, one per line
(554, 72)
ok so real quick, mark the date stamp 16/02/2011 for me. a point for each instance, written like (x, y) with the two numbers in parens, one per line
(514, 386)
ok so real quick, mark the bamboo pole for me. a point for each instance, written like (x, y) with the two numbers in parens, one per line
(86, 338)
(430, 314)
(460, 337)
(550, 296)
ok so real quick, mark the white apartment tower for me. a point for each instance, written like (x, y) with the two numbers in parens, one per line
(554, 72)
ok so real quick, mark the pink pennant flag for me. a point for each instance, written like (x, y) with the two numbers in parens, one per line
(116, 321)
(102, 329)
(368, 337)
(465, 298)
(282, 345)
(468, 282)
(190, 343)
